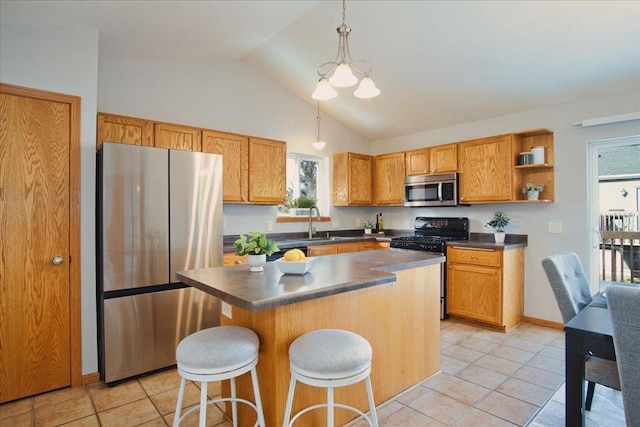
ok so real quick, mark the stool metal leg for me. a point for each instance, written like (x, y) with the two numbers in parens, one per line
(203, 404)
(176, 416)
(287, 411)
(372, 404)
(234, 405)
(329, 406)
(256, 395)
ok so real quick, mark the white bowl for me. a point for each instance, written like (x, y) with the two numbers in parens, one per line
(294, 267)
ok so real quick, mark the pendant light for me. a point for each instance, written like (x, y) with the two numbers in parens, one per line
(318, 144)
(344, 70)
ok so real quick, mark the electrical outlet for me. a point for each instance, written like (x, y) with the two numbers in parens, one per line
(407, 223)
(226, 309)
(335, 223)
(269, 225)
(358, 222)
(555, 227)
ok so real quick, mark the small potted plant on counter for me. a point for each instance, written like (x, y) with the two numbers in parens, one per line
(257, 247)
(367, 225)
(499, 221)
(532, 190)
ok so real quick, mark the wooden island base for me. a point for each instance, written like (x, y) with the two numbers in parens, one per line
(401, 321)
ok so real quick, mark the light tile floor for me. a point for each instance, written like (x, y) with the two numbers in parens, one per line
(488, 379)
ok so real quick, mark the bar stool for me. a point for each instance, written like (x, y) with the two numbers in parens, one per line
(330, 358)
(216, 354)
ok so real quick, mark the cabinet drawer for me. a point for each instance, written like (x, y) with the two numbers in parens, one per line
(477, 256)
(230, 259)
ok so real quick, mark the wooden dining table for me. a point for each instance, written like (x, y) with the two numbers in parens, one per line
(588, 333)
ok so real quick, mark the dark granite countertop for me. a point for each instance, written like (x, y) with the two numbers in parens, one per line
(296, 240)
(486, 241)
(329, 275)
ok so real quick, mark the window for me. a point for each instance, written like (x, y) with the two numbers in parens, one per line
(307, 185)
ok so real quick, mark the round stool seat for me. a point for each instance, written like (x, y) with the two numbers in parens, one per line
(330, 351)
(223, 347)
(217, 354)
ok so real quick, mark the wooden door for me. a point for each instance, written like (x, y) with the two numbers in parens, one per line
(125, 130)
(267, 171)
(444, 158)
(474, 292)
(235, 162)
(388, 179)
(177, 137)
(486, 169)
(39, 221)
(417, 162)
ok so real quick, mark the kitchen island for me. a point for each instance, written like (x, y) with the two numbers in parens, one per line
(390, 298)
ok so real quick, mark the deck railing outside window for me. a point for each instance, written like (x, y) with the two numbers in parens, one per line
(620, 246)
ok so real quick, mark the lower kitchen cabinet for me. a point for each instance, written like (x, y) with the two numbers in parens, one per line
(486, 285)
(231, 258)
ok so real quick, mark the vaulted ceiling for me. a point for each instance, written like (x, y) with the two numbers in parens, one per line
(437, 63)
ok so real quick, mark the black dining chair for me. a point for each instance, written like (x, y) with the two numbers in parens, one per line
(624, 309)
(571, 289)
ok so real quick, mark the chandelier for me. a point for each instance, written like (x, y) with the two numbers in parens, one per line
(319, 143)
(343, 68)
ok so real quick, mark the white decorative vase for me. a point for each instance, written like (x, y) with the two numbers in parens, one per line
(367, 231)
(257, 262)
(533, 195)
(499, 236)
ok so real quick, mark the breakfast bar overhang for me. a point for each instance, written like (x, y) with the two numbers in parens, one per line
(391, 298)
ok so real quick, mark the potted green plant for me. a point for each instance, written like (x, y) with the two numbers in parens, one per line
(257, 247)
(367, 225)
(499, 221)
(532, 190)
(300, 206)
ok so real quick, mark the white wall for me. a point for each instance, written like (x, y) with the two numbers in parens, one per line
(571, 199)
(65, 60)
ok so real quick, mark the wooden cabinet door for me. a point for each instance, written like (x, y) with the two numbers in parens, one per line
(345, 248)
(485, 169)
(352, 179)
(474, 292)
(235, 162)
(230, 259)
(370, 245)
(319, 250)
(125, 130)
(417, 162)
(177, 137)
(40, 341)
(388, 179)
(443, 158)
(267, 171)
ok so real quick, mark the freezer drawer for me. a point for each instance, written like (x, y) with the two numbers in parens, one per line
(141, 332)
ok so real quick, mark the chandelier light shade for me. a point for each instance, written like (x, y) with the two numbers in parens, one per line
(346, 71)
(319, 143)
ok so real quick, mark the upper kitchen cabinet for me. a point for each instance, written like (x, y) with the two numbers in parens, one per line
(417, 162)
(235, 162)
(541, 173)
(485, 167)
(352, 179)
(177, 137)
(267, 171)
(443, 158)
(125, 130)
(388, 179)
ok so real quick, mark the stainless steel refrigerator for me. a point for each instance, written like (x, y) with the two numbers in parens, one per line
(158, 211)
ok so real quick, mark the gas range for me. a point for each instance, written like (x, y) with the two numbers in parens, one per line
(432, 233)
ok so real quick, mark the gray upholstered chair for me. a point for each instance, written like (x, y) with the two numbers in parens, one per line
(624, 309)
(571, 289)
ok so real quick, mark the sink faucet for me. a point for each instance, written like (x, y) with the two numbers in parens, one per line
(317, 216)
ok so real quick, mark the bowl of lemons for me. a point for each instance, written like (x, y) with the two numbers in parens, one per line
(294, 262)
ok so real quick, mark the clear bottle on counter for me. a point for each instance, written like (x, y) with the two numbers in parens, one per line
(380, 224)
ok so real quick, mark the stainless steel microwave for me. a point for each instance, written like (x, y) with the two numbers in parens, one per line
(431, 190)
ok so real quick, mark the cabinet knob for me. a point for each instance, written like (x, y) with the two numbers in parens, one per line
(57, 260)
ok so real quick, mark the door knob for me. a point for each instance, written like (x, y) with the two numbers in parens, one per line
(57, 260)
